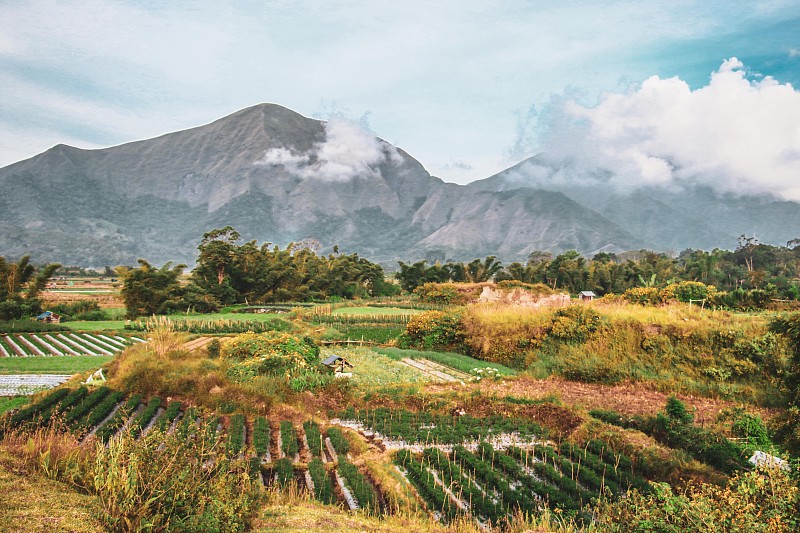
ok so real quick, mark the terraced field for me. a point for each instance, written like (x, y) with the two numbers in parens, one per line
(281, 453)
(63, 344)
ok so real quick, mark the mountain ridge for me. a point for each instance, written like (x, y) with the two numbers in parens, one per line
(280, 177)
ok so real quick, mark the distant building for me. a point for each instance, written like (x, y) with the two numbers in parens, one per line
(49, 317)
(587, 296)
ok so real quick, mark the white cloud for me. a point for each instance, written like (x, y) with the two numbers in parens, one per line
(734, 135)
(347, 152)
(794, 52)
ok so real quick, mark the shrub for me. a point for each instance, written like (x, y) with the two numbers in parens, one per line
(272, 354)
(433, 330)
(643, 296)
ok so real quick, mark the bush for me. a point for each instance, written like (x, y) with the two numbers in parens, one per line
(271, 353)
(433, 330)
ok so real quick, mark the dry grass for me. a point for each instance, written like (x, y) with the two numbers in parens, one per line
(33, 503)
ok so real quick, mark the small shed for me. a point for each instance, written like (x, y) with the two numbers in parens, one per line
(49, 317)
(587, 296)
(337, 364)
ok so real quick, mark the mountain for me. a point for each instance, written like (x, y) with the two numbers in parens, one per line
(664, 218)
(277, 177)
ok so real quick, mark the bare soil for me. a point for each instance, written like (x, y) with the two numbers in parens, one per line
(627, 399)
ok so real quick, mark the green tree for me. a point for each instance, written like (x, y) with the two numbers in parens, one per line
(147, 290)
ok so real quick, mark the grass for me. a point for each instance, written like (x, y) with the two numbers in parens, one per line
(375, 369)
(32, 502)
(8, 403)
(72, 364)
(95, 325)
(464, 363)
(362, 311)
(119, 325)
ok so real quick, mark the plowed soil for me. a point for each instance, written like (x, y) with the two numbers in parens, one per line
(627, 399)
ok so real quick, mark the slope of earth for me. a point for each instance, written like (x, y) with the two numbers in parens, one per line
(627, 399)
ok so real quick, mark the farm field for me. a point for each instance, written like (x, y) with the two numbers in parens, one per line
(63, 344)
(52, 365)
(419, 435)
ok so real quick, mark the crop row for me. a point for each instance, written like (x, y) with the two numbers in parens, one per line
(431, 428)
(62, 344)
(494, 485)
(425, 483)
(208, 327)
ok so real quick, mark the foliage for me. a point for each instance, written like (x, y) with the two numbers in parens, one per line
(284, 473)
(323, 488)
(427, 427)
(360, 488)
(338, 440)
(261, 436)
(419, 273)
(207, 327)
(147, 290)
(788, 423)
(80, 310)
(20, 285)
(763, 500)
(435, 330)
(274, 354)
(313, 437)
(235, 434)
(674, 428)
(229, 272)
(462, 363)
(289, 445)
(164, 482)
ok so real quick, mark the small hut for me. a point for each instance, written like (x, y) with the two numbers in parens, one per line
(337, 364)
(49, 317)
(587, 296)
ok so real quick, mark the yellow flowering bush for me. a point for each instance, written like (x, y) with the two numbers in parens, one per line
(271, 353)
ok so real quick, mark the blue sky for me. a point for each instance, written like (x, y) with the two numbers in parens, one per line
(468, 88)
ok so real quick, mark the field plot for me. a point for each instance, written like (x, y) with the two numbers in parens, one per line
(63, 344)
(26, 384)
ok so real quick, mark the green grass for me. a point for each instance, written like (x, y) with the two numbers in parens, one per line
(375, 369)
(119, 325)
(8, 403)
(464, 363)
(361, 311)
(52, 365)
(95, 325)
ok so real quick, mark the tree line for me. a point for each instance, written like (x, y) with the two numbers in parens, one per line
(752, 272)
(229, 272)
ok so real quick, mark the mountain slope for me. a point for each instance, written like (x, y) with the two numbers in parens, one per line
(664, 219)
(277, 177)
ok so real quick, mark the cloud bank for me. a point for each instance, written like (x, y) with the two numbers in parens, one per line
(347, 152)
(735, 135)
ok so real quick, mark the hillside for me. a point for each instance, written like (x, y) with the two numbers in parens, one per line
(663, 218)
(277, 177)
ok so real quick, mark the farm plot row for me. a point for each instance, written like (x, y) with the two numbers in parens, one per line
(62, 344)
(491, 485)
(279, 454)
(402, 429)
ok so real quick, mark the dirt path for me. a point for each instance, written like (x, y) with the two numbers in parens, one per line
(196, 344)
(627, 399)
